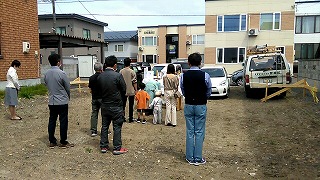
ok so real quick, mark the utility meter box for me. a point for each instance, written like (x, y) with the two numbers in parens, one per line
(86, 65)
(25, 47)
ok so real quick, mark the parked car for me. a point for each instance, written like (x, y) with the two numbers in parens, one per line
(219, 80)
(237, 78)
(184, 65)
(144, 65)
(160, 70)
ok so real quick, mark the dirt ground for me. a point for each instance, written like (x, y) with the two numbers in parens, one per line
(245, 139)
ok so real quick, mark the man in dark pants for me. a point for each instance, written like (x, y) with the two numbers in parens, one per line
(113, 89)
(196, 88)
(131, 83)
(59, 94)
(96, 98)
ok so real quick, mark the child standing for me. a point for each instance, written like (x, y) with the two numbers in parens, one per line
(142, 98)
(157, 108)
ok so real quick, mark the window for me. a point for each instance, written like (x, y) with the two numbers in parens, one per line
(149, 41)
(198, 39)
(270, 21)
(61, 30)
(307, 51)
(86, 33)
(99, 36)
(118, 48)
(307, 24)
(231, 55)
(231, 23)
(149, 58)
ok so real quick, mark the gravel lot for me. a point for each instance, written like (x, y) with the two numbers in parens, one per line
(245, 139)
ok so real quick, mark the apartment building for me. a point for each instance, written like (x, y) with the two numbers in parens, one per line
(307, 40)
(19, 39)
(234, 26)
(122, 44)
(75, 26)
(161, 44)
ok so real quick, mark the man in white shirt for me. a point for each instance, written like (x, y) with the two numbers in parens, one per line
(12, 88)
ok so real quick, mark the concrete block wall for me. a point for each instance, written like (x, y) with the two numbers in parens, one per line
(310, 70)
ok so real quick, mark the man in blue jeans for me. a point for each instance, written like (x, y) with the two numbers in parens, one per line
(196, 88)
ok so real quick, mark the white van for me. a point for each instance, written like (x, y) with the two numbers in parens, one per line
(260, 69)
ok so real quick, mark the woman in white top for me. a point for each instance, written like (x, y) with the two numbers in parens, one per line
(12, 88)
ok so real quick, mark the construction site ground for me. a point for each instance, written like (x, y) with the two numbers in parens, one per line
(245, 139)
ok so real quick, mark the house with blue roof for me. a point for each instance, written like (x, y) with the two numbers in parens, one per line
(122, 44)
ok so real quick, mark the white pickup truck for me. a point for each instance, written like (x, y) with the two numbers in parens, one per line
(263, 69)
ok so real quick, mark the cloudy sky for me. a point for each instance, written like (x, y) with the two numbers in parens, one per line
(122, 15)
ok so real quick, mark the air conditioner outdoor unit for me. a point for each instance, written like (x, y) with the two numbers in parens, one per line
(140, 48)
(188, 43)
(253, 32)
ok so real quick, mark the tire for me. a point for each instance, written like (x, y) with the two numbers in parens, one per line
(248, 92)
(239, 82)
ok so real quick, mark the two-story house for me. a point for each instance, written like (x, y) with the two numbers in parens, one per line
(73, 25)
(122, 44)
(233, 26)
(19, 39)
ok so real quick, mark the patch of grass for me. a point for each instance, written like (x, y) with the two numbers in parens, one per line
(1, 94)
(29, 92)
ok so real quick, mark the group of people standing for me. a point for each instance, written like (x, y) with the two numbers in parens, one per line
(110, 91)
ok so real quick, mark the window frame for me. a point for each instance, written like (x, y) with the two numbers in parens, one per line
(154, 58)
(116, 47)
(195, 39)
(88, 33)
(62, 28)
(240, 22)
(238, 54)
(308, 50)
(99, 36)
(273, 21)
(154, 40)
(301, 24)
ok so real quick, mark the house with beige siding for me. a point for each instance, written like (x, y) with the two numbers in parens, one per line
(234, 26)
(161, 44)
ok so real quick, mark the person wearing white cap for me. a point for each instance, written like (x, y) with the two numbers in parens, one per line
(157, 107)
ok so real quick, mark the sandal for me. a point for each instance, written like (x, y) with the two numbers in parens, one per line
(19, 118)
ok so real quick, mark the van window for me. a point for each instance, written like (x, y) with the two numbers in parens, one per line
(262, 63)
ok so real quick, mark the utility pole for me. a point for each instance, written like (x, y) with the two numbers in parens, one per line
(54, 16)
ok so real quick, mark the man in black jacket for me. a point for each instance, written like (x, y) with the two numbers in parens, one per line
(196, 88)
(113, 89)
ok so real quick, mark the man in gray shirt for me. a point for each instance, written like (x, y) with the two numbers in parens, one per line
(58, 85)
